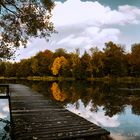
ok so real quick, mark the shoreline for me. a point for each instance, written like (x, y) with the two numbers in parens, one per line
(51, 78)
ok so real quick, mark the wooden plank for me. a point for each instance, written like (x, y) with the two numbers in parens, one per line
(37, 118)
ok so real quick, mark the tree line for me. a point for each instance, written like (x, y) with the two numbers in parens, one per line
(112, 61)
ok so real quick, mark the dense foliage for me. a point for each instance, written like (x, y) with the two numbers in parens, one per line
(112, 61)
(21, 20)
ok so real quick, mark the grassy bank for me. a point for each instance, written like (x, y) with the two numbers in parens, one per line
(51, 78)
(116, 79)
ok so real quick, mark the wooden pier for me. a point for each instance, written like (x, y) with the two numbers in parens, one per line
(36, 118)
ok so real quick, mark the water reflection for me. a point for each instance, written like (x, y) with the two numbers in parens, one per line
(57, 93)
(98, 117)
(110, 105)
(4, 109)
(3, 91)
(4, 119)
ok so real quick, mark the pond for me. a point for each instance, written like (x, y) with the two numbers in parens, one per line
(114, 106)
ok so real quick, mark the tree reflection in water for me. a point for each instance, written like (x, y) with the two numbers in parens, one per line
(57, 93)
(5, 129)
(118, 103)
(109, 95)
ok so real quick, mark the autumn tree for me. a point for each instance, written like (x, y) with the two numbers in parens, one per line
(59, 65)
(112, 61)
(21, 20)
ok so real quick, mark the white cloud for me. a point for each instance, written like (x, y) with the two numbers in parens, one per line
(84, 24)
(74, 40)
(74, 12)
(91, 31)
(65, 40)
(89, 36)
(106, 35)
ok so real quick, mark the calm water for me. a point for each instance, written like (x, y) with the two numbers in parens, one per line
(114, 106)
(4, 116)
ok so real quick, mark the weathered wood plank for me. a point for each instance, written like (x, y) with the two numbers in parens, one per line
(37, 118)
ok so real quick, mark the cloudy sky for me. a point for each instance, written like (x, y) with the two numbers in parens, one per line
(88, 23)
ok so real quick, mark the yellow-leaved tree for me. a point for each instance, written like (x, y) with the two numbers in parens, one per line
(59, 63)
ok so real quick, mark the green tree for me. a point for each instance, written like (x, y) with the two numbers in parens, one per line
(75, 64)
(135, 60)
(45, 59)
(2, 68)
(24, 68)
(60, 52)
(9, 69)
(97, 62)
(85, 66)
(20, 20)
(34, 66)
(114, 60)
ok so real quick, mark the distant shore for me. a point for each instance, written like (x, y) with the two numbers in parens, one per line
(51, 78)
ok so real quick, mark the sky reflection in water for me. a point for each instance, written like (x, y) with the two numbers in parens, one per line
(123, 126)
(4, 115)
(98, 117)
(112, 105)
(4, 109)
